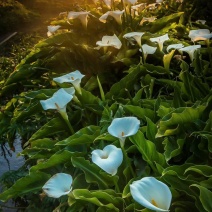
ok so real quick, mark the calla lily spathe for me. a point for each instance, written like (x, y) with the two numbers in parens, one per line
(160, 40)
(58, 101)
(190, 50)
(134, 36)
(151, 193)
(74, 78)
(201, 21)
(52, 30)
(122, 128)
(174, 46)
(108, 159)
(138, 8)
(150, 19)
(129, 2)
(109, 41)
(115, 14)
(146, 49)
(200, 34)
(58, 185)
(83, 16)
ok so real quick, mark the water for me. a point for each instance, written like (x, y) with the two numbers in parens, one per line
(9, 161)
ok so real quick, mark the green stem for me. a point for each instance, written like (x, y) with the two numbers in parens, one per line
(116, 185)
(128, 161)
(65, 117)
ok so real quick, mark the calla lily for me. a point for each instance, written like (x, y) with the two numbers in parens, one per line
(134, 36)
(58, 185)
(153, 6)
(146, 49)
(190, 50)
(115, 14)
(151, 193)
(108, 159)
(74, 78)
(52, 30)
(201, 21)
(144, 19)
(109, 41)
(174, 46)
(108, 3)
(160, 40)
(129, 2)
(138, 8)
(122, 128)
(58, 101)
(159, 1)
(83, 16)
(200, 34)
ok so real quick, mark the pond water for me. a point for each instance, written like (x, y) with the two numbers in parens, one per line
(9, 161)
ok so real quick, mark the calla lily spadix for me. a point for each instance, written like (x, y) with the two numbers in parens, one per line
(151, 193)
(108, 159)
(200, 34)
(52, 29)
(109, 41)
(58, 101)
(146, 49)
(74, 78)
(160, 40)
(190, 50)
(83, 16)
(122, 128)
(115, 14)
(174, 46)
(58, 185)
(134, 36)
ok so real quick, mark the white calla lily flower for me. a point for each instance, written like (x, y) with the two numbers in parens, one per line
(160, 40)
(58, 101)
(190, 50)
(130, 2)
(108, 159)
(150, 19)
(151, 193)
(200, 34)
(138, 8)
(134, 36)
(52, 30)
(174, 46)
(83, 16)
(115, 14)
(146, 49)
(109, 41)
(122, 128)
(58, 185)
(74, 78)
(201, 21)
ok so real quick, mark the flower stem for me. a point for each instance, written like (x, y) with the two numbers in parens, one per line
(116, 185)
(128, 161)
(65, 117)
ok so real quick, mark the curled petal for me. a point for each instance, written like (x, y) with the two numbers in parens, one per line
(108, 159)
(151, 193)
(110, 41)
(58, 185)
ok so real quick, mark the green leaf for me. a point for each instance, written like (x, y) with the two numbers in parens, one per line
(140, 112)
(54, 126)
(170, 123)
(85, 135)
(92, 172)
(148, 150)
(167, 59)
(29, 184)
(201, 169)
(151, 130)
(204, 197)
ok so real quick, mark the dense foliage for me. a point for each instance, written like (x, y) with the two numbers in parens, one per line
(168, 91)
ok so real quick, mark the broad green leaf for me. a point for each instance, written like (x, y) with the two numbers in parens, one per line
(204, 197)
(92, 172)
(148, 150)
(29, 184)
(151, 130)
(179, 117)
(59, 158)
(201, 169)
(84, 136)
(140, 112)
(55, 125)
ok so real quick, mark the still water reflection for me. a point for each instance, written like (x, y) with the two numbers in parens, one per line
(9, 161)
